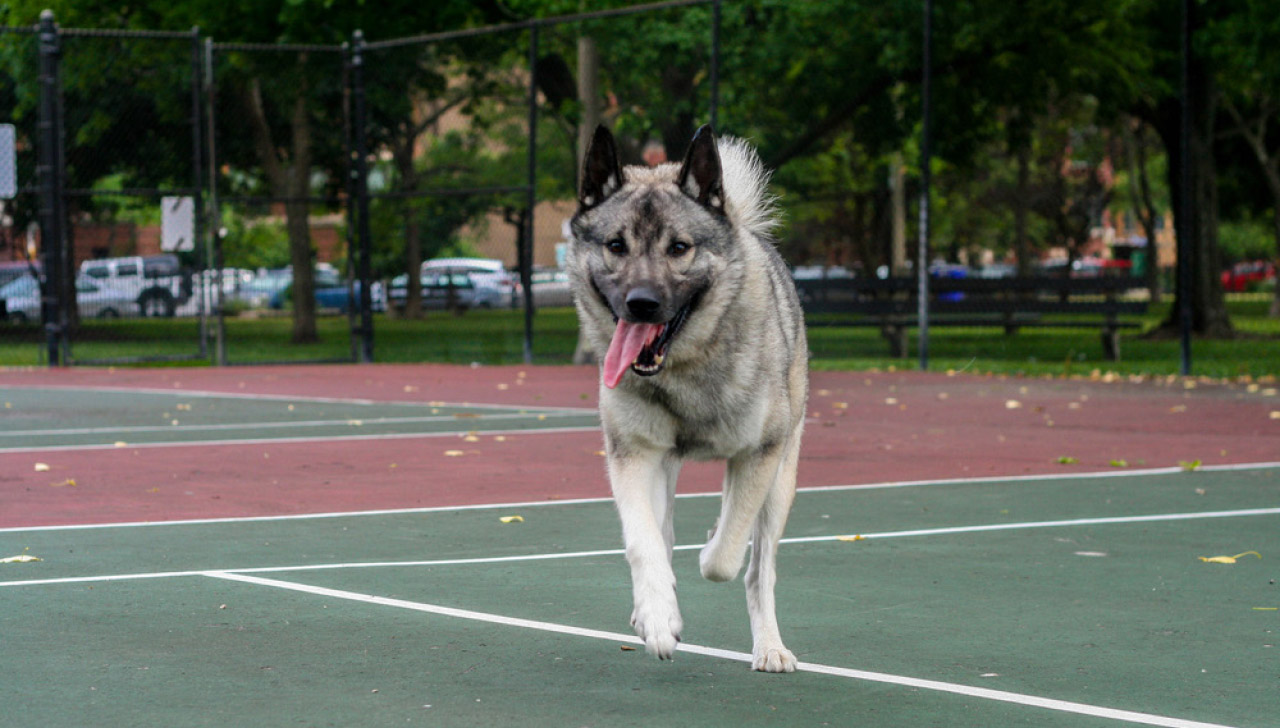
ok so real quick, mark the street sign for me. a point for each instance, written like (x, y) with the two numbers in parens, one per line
(8, 162)
(177, 224)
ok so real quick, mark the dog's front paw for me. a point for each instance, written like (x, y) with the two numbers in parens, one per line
(658, 623)
(773, 659)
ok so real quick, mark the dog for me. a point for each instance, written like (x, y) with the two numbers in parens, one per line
(695, 320)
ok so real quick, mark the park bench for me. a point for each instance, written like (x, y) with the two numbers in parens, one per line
(891, 304)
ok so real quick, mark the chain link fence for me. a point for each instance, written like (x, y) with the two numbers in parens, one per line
(179, 198)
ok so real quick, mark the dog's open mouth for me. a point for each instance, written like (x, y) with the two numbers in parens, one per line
(642, 348)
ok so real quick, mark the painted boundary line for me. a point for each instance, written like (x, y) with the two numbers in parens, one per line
(1028, 525)
(305, 440)
(202, 393)
(1033, 701)
(994, 480)
(284, 424)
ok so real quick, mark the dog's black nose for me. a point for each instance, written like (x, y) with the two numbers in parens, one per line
(643, 304)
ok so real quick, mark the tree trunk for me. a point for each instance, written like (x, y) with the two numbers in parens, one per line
(1021, 243)
(589, 97)
(1143, 207)
(297, 209)
(1208, 307)
(403, 160)
(898, 197)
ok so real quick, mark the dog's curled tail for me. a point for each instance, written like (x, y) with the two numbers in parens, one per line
(746, 183)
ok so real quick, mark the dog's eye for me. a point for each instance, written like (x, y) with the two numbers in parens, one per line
(617, 246)
(679, 248)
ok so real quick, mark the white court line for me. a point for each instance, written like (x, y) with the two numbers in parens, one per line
(588, 501)
(1033, 701)
(296, 440)
(343, 422)
(199, 393)
(1027, 525)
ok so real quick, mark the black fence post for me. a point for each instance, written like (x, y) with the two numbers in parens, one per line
(526, 250)
(715, 65)
(215, 212)
(53, 307)
(208, 276)
(922, 266)
(360, 173)
(1187, 226)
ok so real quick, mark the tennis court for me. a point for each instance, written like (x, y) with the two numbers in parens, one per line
(379, 545)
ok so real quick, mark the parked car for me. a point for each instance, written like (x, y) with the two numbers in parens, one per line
(550, 288)
(93, 299)
(331, 292)
(157, 282)
(1247, 275)
(446, 289)
(486, 273)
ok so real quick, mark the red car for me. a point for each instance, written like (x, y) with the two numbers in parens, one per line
(1237, 278)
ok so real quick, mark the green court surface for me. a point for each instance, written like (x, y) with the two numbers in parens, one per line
(76, 418)
(1024, 602)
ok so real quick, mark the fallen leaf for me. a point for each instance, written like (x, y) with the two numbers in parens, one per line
(1012, 404)
(68, 482)
(511, 519)
(504, 386)
(121, 443)
(453, 453)
(355, 423)
(840, 405)
(42, 467)
(470, 437)
(857, 537)
(500, 438)
(1178, 408)
(627, 648)
(1067, 460)
(1227, 559)
(410, 388)
(1189, 466)
(1275, 414)
(20, 559)
(1120, 463)
(890, 400)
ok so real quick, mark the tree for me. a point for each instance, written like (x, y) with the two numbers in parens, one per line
(1242, 46)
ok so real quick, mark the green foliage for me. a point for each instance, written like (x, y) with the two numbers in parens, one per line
(254, 243)
(1246, 239)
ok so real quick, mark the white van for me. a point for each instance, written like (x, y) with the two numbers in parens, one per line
(156, 282)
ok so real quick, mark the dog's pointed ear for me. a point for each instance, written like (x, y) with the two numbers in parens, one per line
(700, 176)
(601, 174)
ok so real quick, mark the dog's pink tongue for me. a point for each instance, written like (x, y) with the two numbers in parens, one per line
(627, 342)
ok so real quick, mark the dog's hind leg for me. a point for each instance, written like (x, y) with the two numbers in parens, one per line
(642, 494)
(768, 654)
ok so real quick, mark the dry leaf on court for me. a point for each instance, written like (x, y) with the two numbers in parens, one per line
(627, 648)
(1121, 463)
(21, 559)
(857, 537)
(42, 467)
(512, 519)
(1227, 559)
(471, 437)
(69, 481)
(1189, 465)
(1068, 460)
(453, 453)
(1012, 404)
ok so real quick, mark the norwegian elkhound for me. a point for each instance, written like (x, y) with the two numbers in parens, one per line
(696, 321)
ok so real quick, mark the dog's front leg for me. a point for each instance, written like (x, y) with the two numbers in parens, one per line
(640, 486)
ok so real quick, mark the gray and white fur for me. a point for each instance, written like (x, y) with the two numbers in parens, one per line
(687, 247)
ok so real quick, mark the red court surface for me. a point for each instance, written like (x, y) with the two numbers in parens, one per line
(863, 428)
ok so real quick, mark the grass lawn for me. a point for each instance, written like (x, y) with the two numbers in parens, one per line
(495, 337)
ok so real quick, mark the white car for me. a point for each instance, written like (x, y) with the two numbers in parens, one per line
(94, 299)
